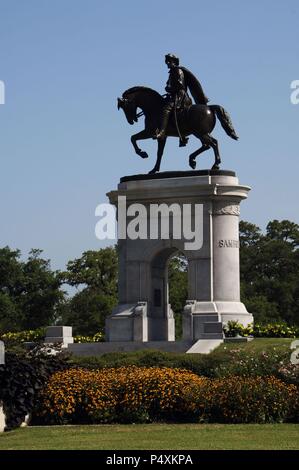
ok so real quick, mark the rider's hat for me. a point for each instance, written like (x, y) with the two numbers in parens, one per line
(172, 57)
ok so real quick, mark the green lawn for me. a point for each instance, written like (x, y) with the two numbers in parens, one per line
(258, 345)
(154, 436)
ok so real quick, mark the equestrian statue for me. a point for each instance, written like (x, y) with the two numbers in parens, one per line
(174, 114)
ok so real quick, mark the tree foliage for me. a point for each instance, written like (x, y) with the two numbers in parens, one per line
(95, 274)
(178, 289)
(270, 270)
(29, 291)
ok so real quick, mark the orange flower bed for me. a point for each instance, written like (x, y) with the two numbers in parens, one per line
(248, 400)
(117, 393)
(141, 394)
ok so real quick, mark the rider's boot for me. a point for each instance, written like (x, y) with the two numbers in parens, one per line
(183, 141)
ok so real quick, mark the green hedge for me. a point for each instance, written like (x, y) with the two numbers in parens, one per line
(36, 336)
(270, 330)
(220, 363)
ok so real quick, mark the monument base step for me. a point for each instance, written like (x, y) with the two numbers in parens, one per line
(97, 349)
(210, 336)
(238, 339)
(204, 346)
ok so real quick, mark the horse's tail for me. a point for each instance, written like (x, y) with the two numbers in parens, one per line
(225, 120)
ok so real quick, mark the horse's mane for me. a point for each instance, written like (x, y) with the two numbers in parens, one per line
(146, 89)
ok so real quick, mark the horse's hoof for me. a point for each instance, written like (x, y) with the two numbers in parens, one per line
(192, 163)
(215, 167)
(143, 155)
(152, 172)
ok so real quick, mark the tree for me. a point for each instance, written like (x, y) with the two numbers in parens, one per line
(95, 273)
(270, 270)
(10, 314)
(29, 291)
(41, 292)
(285, 231)
(178, 288)
(87, 310)
(11, 272)
(94, 270)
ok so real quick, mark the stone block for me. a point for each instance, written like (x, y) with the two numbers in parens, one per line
(2, 353)
(2, 418)
(59, 334)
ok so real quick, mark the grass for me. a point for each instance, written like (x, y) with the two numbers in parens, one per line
(154, 437)
(258, 345)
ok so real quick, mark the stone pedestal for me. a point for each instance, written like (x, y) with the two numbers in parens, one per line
(144, 313)
(59, 334)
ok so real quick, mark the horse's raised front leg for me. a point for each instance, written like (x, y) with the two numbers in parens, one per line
(161, 145)
(145, 134)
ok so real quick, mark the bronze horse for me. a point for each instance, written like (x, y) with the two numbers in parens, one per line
(197, 119)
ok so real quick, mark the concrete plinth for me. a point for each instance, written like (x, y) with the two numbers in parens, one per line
(59, 334)
(144, 313)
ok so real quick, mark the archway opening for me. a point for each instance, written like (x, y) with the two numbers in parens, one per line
(169, 291)
(178, 288)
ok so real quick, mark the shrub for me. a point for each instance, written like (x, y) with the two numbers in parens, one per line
(136, 394)
(250, 364)
(248, 400)
(96, 338)
(270, 330)
(126, 394)
(12, 338)
(35, 336)
(289, 372)
(219, 363)
(21, 378)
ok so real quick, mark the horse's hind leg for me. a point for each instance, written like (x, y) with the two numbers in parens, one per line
(214, 145)
(205, 146)
(208, 142)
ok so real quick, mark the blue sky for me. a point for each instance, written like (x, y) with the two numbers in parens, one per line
(63, 144)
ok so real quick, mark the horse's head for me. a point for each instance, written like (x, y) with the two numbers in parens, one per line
(148, 100)
(129, 107)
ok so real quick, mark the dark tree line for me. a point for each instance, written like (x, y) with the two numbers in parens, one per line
(270, 271)
(32, 295)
